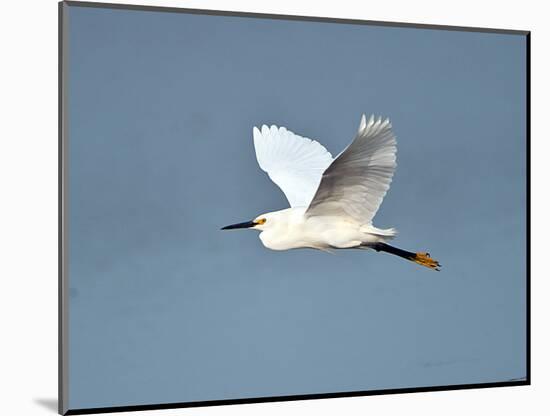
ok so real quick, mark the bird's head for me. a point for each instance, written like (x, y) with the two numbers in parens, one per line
(261, 222)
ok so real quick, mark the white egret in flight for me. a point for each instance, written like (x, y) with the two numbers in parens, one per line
(332, 201)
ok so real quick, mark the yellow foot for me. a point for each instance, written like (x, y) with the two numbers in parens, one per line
(424, 259)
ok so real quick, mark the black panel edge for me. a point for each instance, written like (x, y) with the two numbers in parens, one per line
(269, 399)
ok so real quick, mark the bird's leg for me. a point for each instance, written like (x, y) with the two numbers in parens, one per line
(423, 259)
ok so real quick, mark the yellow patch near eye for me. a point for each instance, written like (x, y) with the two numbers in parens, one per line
(261, 221)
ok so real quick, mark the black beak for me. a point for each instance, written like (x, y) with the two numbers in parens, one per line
(247, 224)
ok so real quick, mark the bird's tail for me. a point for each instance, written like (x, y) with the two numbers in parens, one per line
(387, 233)
(423, 259)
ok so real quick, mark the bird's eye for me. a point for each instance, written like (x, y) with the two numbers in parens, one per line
(261, 221)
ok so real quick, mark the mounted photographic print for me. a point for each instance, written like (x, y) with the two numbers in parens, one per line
(263, 208)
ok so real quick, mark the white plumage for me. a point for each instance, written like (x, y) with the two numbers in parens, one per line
(355, 184)
(332, 201)
(294, 163)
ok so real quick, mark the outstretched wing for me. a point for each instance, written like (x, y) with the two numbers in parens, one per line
(294, 163)
(356, 182)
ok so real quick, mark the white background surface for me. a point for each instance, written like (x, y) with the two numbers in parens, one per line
(28, 206)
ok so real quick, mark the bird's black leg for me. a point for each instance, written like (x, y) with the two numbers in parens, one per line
(423, 259)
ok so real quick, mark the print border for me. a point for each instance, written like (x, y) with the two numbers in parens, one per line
(63, 277)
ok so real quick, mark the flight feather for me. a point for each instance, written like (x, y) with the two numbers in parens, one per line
(356, 182)
(295, 163)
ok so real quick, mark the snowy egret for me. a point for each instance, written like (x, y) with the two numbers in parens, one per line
(332, 201)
